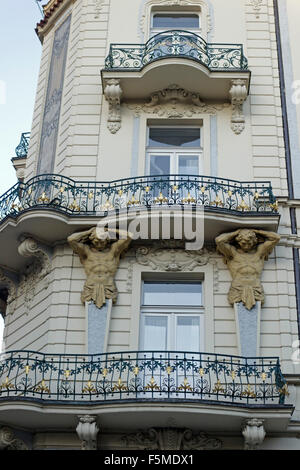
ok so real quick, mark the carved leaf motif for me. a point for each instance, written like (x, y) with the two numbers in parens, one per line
(171, 439)
(172, 259)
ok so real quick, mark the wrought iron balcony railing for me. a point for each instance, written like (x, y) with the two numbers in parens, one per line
(141, 375)
(95, 198)
(177, 43)
(22, 148)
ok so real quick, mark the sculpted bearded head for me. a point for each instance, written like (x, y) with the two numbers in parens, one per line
(246, 239)
(97, 242)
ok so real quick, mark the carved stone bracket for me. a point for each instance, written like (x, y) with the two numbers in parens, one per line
(36, 271)
(30, 248)
(254, 433)
(171, 439)
(87, 431)
(113, 93)
(238, 94)
(8, 440)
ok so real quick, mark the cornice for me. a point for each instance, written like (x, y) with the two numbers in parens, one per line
(51, 11)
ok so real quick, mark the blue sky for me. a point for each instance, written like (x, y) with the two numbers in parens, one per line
(20, 53)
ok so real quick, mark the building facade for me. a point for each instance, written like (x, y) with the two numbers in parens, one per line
(170, 128)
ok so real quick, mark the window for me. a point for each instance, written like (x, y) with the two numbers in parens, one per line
(174, 150)
(172, 316)
(164, 21)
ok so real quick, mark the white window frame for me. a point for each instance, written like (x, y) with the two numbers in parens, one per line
(154, 31)
(173, 312)
(174, 152)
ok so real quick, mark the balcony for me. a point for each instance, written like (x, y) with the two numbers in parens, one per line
(19, 161)
(22, 148)
(200, 67)
(190, 386)
(46, 201)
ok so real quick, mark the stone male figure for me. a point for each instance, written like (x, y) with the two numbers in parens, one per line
(244, 253)
(100, 258)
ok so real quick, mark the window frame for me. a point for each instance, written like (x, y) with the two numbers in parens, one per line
(174, 151)
(155, 30)
(172, 312)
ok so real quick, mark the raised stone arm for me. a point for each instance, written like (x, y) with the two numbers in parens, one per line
(123, 243)
(223, 243)
(77, 241)
(270, 241)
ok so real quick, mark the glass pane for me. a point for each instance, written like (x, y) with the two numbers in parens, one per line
(155, 333)
(188, 165)
(159, 165)
(188, 333)
(174, 137)
(175, 20)
(172, 293)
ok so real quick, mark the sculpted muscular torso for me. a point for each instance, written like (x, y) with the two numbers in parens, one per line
(100, 259)
(245, 262)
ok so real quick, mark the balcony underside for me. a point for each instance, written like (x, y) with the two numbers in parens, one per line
(193, 76)
(35, 416)
(51, 207)
(50, 226)
(176, 56)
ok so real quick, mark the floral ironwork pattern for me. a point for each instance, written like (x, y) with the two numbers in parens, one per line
(22, 148)
(97, 198)
(142, 375)
(177, 43)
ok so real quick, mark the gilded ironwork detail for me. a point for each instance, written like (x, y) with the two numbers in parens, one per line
(143, 376)
(98, 198)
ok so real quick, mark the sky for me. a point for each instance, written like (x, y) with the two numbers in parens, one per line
(20, 53)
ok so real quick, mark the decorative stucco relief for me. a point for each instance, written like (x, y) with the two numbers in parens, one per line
(171, 256)
(98, 7)
(175, 102)
(256, 5)
(35, 272)
(171, 439)
(12, 291)
(9, 441)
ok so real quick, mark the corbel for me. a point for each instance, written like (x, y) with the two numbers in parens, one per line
(113, 93)
(254, 433)
(87, 431)
(238, 94)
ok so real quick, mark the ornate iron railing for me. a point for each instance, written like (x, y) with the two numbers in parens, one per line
(22, 148)
(142, 375)
(177, 43)
(96, 198)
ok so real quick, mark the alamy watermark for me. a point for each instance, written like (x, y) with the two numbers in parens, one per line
(154, 224)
